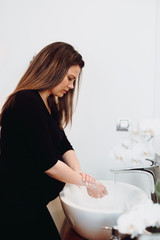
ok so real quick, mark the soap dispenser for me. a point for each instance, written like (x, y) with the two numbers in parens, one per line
(115, 233)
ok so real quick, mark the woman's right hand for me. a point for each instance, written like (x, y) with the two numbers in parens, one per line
(96, 190)
(87, 179)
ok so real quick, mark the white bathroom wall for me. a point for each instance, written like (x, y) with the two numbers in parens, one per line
(118, 41)
(157, 62)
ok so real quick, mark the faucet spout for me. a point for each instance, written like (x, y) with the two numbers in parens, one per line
(152, 172)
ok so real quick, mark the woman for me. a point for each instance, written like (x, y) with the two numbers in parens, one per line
(36, 156)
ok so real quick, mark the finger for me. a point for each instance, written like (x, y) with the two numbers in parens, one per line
(105, 191)
(91, 179)
(87, 178)
(101, 195)
(83, 176)
(96, 196)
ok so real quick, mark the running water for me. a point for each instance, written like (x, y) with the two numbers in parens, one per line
(114, 190)
(115, 177)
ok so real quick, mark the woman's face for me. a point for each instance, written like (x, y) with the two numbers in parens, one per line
(67, 83)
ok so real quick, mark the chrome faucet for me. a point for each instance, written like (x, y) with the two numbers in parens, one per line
(152, 171)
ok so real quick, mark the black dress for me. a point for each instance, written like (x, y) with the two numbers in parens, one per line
(31, 143)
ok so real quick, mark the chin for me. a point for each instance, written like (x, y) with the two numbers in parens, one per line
(60, 95)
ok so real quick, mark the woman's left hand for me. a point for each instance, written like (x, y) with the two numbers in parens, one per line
(97, 190)
(87, 179)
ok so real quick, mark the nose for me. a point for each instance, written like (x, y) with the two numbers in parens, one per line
(70, 85)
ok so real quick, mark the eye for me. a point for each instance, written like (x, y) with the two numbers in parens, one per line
(71, 79)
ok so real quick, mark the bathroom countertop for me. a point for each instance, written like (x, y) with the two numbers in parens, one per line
(70, 234)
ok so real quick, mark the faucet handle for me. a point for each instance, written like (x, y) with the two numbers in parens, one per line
(152, 161)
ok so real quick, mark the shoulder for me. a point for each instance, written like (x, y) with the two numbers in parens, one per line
(27, 101)
(26, 95)
(25, 105)
(26, 98)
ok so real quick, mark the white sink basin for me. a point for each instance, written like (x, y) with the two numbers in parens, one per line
(87, 215)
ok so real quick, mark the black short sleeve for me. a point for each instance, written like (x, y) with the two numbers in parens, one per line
(65, 144)
(29, 123)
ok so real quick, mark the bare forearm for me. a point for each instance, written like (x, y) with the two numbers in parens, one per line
(71, 160)
(64, 173)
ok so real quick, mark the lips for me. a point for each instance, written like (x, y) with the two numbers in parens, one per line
(65, 91)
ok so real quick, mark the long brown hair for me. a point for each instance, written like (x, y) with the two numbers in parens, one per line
(47, 70)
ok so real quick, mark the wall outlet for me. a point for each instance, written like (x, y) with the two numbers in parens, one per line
(122, 124)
